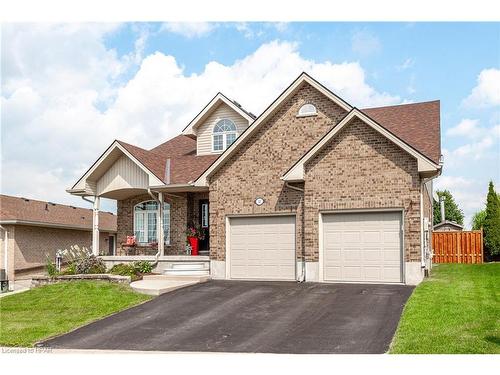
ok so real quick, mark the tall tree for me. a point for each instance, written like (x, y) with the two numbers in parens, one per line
(492, 223)
(451, 210)
(478, 219)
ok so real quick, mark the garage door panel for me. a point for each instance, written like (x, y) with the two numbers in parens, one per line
(363, 246)
(262, 248)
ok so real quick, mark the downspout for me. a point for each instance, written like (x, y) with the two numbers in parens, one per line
(157, 255)
(302, 277)
(422, 247)
(5, 253)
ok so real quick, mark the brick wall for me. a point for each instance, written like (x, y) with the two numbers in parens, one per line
(361, 169)
(256, 168)
(32, 243)
(178, 220)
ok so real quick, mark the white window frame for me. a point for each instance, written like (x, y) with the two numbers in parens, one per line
(144, 214)
(224, 134)
(305, 113)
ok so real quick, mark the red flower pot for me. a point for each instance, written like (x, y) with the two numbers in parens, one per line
(194, 242)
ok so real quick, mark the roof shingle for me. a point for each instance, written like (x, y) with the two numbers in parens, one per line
(40, 212)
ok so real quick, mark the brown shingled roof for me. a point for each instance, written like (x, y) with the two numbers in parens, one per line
(417, 124)
(40, 212)
(185, 165)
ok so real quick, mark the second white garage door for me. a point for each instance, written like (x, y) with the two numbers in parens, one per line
(362, 247)
(262, 247)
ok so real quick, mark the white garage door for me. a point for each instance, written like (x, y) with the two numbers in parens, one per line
(262, 247)
(362, 247)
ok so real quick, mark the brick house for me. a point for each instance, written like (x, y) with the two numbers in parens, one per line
(312, 189)
(31, 230)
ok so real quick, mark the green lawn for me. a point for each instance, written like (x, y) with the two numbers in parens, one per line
(456, 310)
(50, 310)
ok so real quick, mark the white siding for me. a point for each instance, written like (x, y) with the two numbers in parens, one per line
(204, 131)
(123, 174)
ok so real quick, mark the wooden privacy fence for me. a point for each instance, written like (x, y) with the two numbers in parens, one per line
(458, 247)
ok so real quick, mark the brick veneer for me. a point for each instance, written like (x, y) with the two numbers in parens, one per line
(29, 246)
(361, 169)
(256, 168)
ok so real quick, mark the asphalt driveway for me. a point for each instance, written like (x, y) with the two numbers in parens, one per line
(244, 316)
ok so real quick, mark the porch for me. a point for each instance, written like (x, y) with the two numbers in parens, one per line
(153, 213)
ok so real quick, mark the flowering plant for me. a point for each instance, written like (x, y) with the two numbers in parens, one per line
(195, 232)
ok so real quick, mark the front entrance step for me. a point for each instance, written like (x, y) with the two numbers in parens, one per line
(155, 285)
(187, 269)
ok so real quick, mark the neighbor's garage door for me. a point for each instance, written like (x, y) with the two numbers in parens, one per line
(362, 247)
(262, 247)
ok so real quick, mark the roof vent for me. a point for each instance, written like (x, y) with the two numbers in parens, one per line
(252, 115)
(25, 199)
(73, 207)
(51, 203)
(238, 104)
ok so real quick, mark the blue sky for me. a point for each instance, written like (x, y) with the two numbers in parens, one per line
(69, 90)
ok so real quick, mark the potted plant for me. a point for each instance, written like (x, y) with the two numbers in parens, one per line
(194, 235)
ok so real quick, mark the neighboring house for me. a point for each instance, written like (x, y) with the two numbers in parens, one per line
(31, 230)
(448, 226)
(313, 189)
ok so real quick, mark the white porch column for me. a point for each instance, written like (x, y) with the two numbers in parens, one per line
(159, 230)
(95, 227)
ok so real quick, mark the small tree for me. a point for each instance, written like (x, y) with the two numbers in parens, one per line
(451, 210)
(491, 224)
(478, 219)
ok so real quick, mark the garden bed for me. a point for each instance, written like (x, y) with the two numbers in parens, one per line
(46, 280)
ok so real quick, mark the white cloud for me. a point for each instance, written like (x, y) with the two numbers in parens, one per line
(487, 91)
(466, 128)
(189, 29)
(365, 43)
(60, 110)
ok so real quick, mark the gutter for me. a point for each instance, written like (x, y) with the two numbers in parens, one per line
(5, 253)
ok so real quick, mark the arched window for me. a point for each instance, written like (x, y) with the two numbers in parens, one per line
(145, 219)
(223, 135)
(307, 110)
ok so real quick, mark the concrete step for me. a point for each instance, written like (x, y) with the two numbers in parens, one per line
(187, 269)
(200, 278)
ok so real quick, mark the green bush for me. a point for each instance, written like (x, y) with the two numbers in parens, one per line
(51, 267)
(70, 270)
(124, 269)
(143, 266)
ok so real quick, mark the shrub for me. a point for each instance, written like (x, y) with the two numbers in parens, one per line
(492, 223)
(143, 266)
(90, 264)
(70, 270)
(123, 269)
(51, 267)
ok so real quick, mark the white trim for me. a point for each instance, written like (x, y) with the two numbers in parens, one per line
(145, 218)
(219, 98)
(303, 78)
(361, 210)
(296, 173)
(114, 145)
(307, 114)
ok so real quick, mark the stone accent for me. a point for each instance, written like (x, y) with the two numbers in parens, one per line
(255, 169)
(46, 280)
(361, 169)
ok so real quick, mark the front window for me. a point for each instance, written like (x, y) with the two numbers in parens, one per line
(145, 222)
(224, 134)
